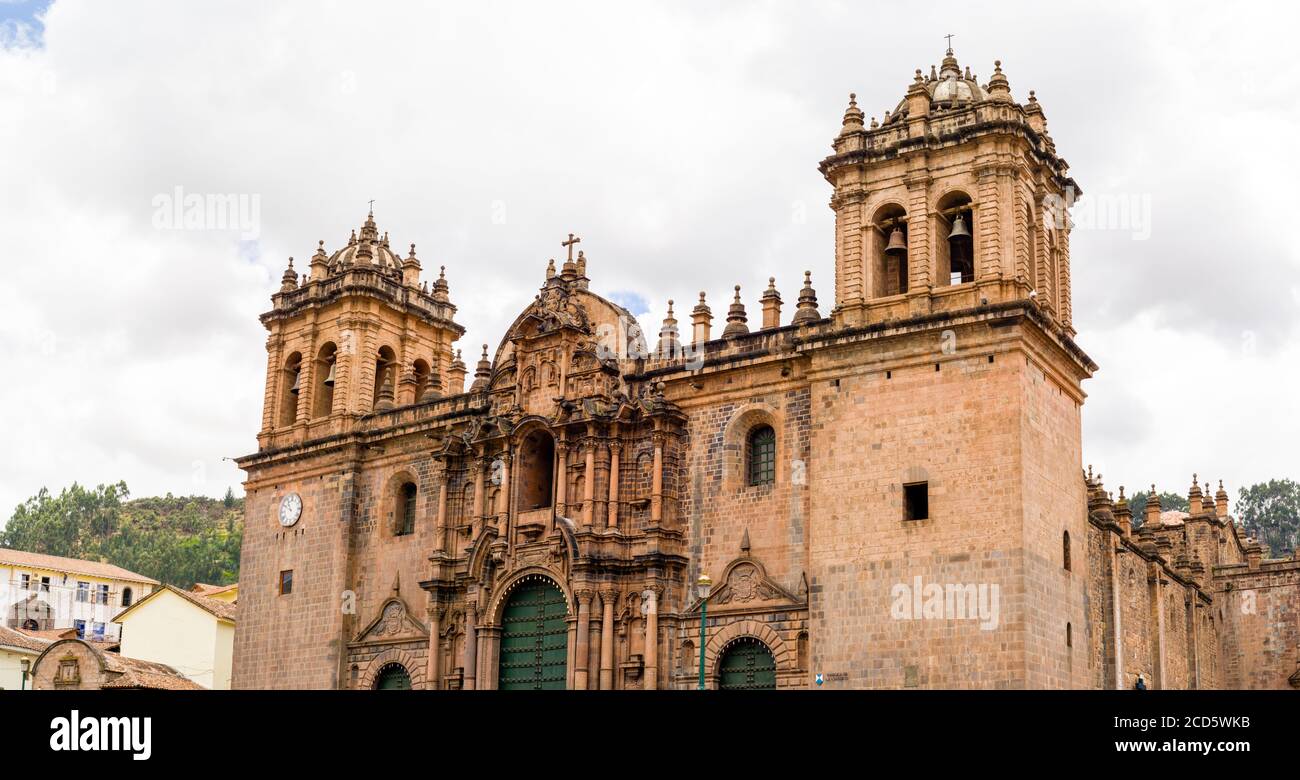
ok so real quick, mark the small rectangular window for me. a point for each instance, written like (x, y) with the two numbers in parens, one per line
(83, 591)
(45, 584)
(101, 594)
(26, 581)
(286, 582)
(80, 625)
(916, 501)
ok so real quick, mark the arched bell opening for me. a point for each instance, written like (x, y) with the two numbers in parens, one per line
(291, 386)
(955, 248)
(326, 373)
(889, 239)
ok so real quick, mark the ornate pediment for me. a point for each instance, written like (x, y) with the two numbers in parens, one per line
(394, 622)
(745, 585)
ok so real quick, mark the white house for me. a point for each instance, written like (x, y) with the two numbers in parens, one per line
(41, 592)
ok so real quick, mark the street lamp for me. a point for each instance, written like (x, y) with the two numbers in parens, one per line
(26, 666)
(703, 586)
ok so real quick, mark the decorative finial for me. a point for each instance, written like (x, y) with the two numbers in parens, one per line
(949, 36)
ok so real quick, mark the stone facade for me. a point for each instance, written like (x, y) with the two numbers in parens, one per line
(888, 495)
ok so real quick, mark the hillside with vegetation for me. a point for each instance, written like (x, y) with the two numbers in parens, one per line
(179, 540)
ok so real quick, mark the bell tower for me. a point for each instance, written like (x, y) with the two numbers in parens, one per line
(956, 198)
(358, 334)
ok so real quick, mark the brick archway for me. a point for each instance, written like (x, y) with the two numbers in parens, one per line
(413, 666)
(786, 660)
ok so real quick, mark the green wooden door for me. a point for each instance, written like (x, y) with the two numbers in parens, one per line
(747, 665)
(534, 639)
(393, 678)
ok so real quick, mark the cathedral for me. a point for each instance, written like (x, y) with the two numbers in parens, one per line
(885, 490)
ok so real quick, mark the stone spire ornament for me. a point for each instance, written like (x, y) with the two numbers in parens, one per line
(807, 307)
(482, 373)
(701, 321)
(456, 376)
(410, 267)
(668, 338)
(289, 281)
(736, 319)
(999, 89)
(319, 263)
(440, 290)
(1153, 507)
(852, 116)
(771, 302)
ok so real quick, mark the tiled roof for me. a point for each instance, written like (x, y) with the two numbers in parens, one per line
(70, 565)
(24, 640)
(204, 589)
(164, 682)
(222, 610)
(136, 673)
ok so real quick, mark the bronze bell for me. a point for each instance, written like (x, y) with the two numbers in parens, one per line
(897, 244)
(297, 382)
(959, 229)
(329, 378)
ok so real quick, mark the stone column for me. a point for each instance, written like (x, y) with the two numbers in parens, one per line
(470, 663)
(503, 506)
(589, 482)
(607, 641)
(440, 542)
(561, 476)
(657, 482)
(611, 514)
(580, 647)
(572, 652)
(432, 667)
(478, 464)
(593, 655)
(652, 641)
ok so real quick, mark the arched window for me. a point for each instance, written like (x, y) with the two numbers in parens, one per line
(127, 597)
(889, 251)
(1065, 549)
(323, 391)
(291, 384)
(760, 455)
(405, 520)
(536, 470)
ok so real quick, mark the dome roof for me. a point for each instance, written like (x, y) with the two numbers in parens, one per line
(367, 248)
(949, 88)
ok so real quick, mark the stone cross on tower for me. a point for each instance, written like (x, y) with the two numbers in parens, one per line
(569, 245)
(949, 36)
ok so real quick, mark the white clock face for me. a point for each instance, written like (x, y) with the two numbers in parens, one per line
(290, 509)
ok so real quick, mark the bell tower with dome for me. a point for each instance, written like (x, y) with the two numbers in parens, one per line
(954, 199)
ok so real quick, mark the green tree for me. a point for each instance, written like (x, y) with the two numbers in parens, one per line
(179, 540)
(1270, 512)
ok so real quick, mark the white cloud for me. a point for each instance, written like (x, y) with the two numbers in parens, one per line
(681, 142)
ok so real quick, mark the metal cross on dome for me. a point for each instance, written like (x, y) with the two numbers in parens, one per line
(949, 36)
(569, 244)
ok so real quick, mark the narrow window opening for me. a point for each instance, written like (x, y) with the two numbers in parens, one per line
(761, 460)
(916, 501)
(286, 582)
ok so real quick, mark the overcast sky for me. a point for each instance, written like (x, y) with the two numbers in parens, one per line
(681, 141)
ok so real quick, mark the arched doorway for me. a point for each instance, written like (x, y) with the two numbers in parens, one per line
(393, 677)
(747, 665)
(534, 638)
